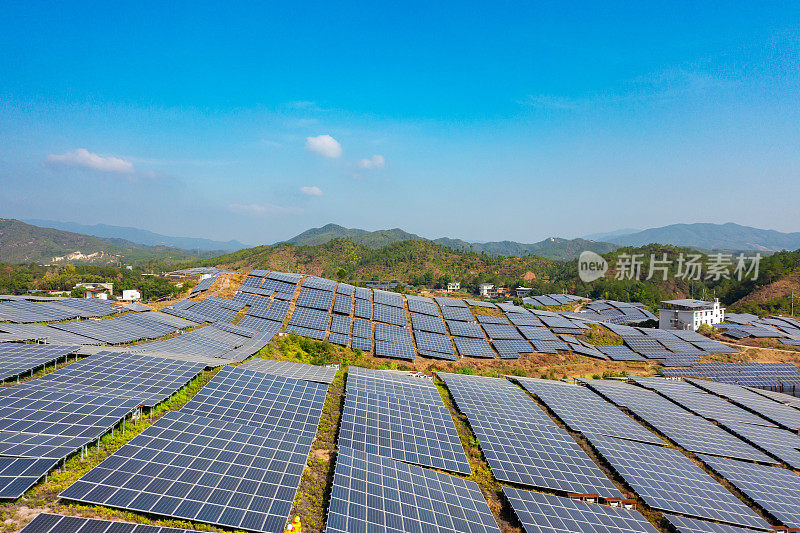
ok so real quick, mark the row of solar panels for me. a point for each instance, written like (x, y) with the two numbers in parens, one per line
(45, 420)
(233, 456)
(22, 310)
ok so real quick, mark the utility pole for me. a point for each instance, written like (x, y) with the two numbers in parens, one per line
(792, 302)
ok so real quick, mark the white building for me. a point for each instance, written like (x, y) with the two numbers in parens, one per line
(130, 295)
(689, 314)
(487, 290)
(454, 286)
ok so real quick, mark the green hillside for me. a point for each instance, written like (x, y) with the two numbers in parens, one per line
(416, 262)
(24, 243)
(552, 248)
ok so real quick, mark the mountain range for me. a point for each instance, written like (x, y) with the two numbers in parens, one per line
(25, 243)
(140, 236)
(703, 236)
(707, 236)
(552, 248)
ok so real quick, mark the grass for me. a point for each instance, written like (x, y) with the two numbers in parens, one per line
(313, 494)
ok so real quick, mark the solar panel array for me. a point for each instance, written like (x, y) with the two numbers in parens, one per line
(19, 359)
(545, 513)
(212, 342)
(521, 443)
(45, 420)
(233, 456)
(202, 469)
(402, 423)
(54, 523)
(21, 310)
(321, 374)
(690, 431)
(685, 524)
(778, 413)
(584, 411)
(373, 493)
(667, 480)
(776, 490)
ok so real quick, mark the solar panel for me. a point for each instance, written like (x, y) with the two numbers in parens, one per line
(776, 490)
(783, 444)
(18, 474)
(457, 313)
(362, 328)
(258, 399)
(689, 431)
(202, 469)
(53, 523)
(362, 309)
(306, 332)
(361, 343)
(538, 333)
(584, 411)
(310, 318)
(428, 323)
(144, 379)
(276, 311)
(343, 304)
(549, 346)
(414, 432)
(267, 328)
(451, 302)
(345, 288)
(465, 329)
(685, 524)
(342, 339)
(288, 369)
(544, 513)
(391, 299)
(521, 444)
(502, 331)
(13, 444)
(480, 303)
(435, 343)
(363, 293)
(667, 480)
(511, 349)
(620, 353)
(394, 350)
(18, 359)
(425, 307)
(783, 415)
(315, 299)
(372, 493)
(390, 314)
(319, 283)
(394, 383)
(470, 347)
(491, 319)
(340, 324)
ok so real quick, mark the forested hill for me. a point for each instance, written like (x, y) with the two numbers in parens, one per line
(24, 243)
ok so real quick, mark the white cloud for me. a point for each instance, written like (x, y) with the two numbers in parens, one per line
(374, 162)
(313, 190)
(324, 145)
(264, 209)
(84, 158)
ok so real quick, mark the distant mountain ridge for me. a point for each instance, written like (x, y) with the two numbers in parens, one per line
(25, 243)
(552, 248)
(141, 236)
(707, 236)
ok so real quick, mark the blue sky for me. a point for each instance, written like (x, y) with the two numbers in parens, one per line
(482, 121)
